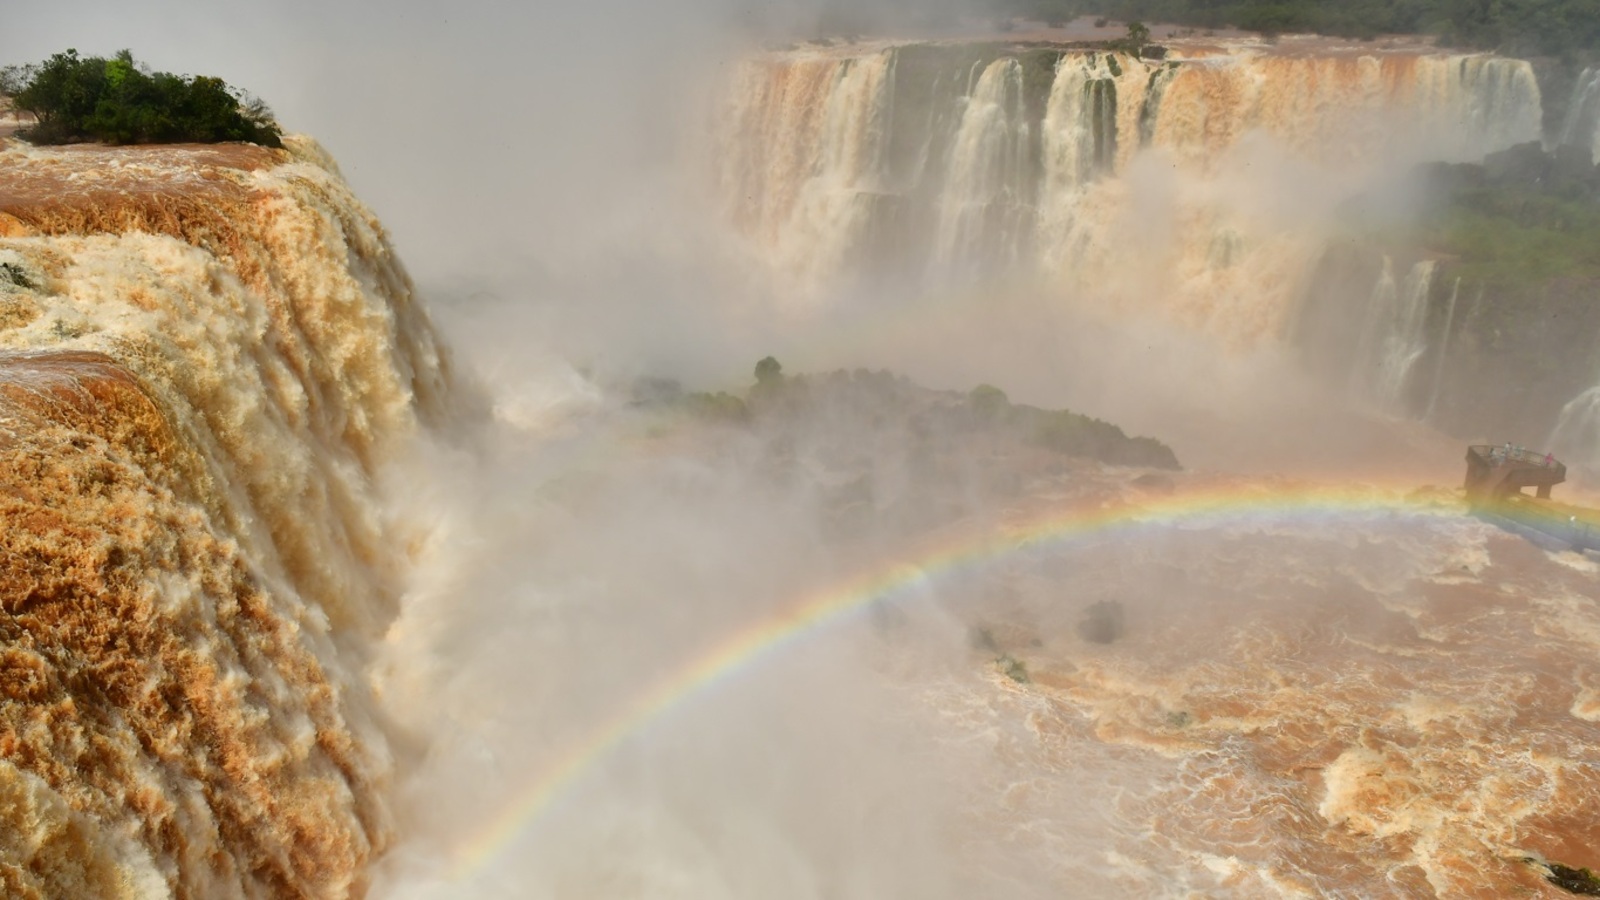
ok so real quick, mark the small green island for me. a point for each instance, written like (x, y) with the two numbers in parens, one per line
(862, 402)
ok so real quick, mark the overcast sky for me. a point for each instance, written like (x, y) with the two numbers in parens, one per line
(464, 124)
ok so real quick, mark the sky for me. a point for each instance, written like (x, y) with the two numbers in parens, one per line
(464, 125)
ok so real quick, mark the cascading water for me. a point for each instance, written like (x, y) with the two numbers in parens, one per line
(1393, 338)
(208, 356)
(1581, 128)
(1112, 177)
(1444, 351)
(817, 130)
(1080, 123)
(1470, 105)
(1150, 110)
(986, 202)
(1082, 139)
(1576, 438)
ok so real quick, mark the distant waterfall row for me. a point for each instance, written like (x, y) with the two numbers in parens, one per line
(1581, 128)
(1393, 336)
(950, 161)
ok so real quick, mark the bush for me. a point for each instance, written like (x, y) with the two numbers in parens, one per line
(721, 407)
(988, 401)
(769, 372)
(119, 101)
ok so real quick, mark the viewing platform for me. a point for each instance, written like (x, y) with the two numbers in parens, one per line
(1496, 479)
(1496, 472)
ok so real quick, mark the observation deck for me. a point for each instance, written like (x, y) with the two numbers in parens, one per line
(1495, 473)
(1496, 478)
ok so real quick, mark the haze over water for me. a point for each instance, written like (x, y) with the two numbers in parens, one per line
(1332, 681)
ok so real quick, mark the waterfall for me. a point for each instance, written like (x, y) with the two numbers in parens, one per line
(1576, 438)
(1581, 128)
(1150, 112)
(1394, 337)
(1444, 349)
(1080, 123)
(1476, 104)
(807, 140)
(987, 189)
(983, 160)
(199, 402)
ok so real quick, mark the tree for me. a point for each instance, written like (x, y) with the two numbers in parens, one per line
(1134, 42)
(1137, 39)
(987, 400)
(14, 78)
(121, 102)
(769, 372)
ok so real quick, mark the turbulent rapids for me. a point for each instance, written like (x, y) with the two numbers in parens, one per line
(208, 355)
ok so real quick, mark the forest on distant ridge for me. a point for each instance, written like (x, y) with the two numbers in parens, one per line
(1565, 29)
(1561, 28)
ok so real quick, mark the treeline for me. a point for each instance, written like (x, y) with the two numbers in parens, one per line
(1567, 29)
(858, 403)
(1561, 28)
(119, 101)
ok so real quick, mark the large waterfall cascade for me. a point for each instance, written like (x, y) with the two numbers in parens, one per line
(208, 357)
(1188, 188)
(986, 192)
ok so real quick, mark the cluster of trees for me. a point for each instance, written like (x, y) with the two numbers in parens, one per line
(1067, 432)
(1523, 218)
(1567, 29)
(119, 101)
(880, 400)
(1563, 28)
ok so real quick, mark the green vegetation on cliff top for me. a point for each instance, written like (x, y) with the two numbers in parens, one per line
(119, 101)
(1505, 236)
(1511, 306)
(1538, 27)
(878, 401)
(1523, 217)
(1560, 28)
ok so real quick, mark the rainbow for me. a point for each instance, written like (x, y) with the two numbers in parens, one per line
(1191, 508)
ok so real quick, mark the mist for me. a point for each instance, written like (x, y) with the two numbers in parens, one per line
(549, 177)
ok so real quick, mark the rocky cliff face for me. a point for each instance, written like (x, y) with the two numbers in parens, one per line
(1476, 314)
(207, 356)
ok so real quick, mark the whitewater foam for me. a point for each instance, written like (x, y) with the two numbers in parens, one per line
(209, 360)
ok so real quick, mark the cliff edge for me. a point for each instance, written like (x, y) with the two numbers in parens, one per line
(207, 356)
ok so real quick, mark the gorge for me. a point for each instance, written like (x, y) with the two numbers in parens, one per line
(316, 589)
(1219, 188)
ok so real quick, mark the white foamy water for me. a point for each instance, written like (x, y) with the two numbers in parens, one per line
(207, 358)
(1308, 700)
(1195, 189)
